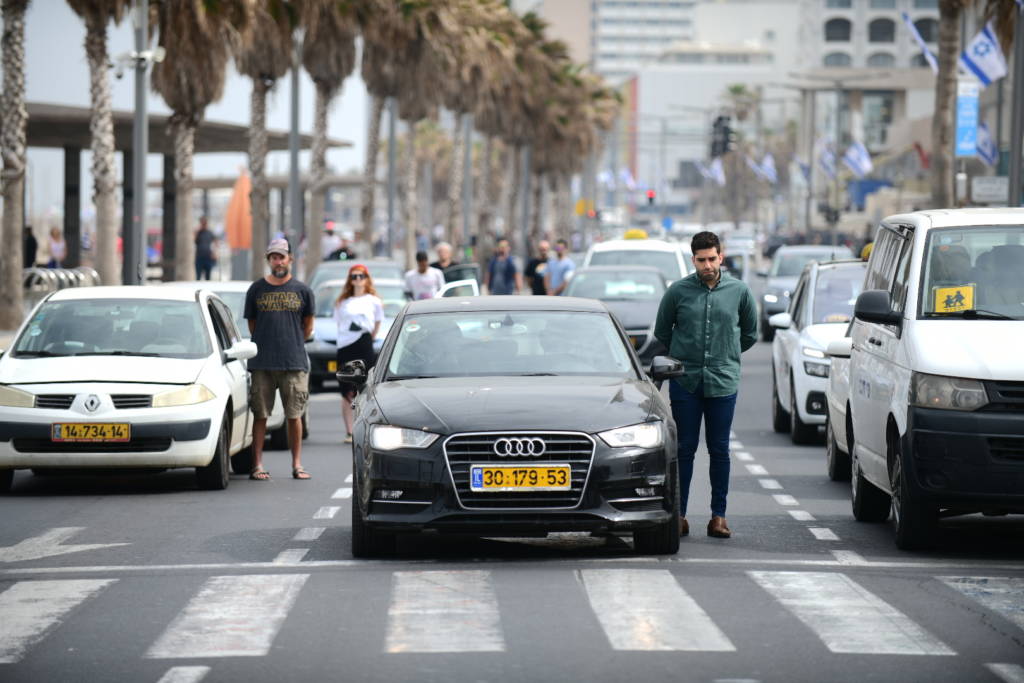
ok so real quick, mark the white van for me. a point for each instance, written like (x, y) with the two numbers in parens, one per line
(936, 398)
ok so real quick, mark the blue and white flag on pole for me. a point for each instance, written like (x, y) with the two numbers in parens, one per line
(703, 170)
(987, 150)
(857, 159)
(756, 168)
(983, 57)
(827, 161)
(768, 168)
(916, 35)
(626, 178)
(717, 172)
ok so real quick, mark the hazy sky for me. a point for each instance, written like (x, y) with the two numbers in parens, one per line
(57, 73)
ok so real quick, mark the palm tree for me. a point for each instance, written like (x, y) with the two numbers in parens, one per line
(97, 15)
(13, 121)
(199, 37)
(264, 59)
(329, 55)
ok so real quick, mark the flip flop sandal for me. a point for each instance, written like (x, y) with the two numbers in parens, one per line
(299, 473)
(260, 475)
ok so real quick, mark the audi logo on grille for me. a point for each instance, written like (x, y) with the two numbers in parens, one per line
(519, 447)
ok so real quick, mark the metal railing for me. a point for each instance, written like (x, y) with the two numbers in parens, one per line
(38, 282)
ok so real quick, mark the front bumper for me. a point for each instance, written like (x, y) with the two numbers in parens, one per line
(970, 461)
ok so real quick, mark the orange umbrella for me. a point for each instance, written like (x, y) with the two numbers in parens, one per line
(238, 218)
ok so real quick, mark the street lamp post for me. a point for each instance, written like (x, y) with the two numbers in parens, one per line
(1017, 115)
(133, 270)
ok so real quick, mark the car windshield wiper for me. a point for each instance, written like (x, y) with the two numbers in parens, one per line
(973, 314)
(117, 353)
(538, 374)
(38, 354)
(397, 378)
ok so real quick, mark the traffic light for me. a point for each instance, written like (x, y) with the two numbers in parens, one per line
(650, 197)
(723, 138)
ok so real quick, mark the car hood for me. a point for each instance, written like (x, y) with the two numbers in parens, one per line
(634, 315)
(457, 404)
(819, 336)
(973, 349)
(100, 369)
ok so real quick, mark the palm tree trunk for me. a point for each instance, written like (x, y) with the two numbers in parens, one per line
(104, 175)
(184, 135)
(945, 94)
(455, 182)
(483, 192)
(560, 201)
(514, 184)
(317, 173)
(13, 121)
(259, 194)
(370, 177)
(412, 214)
(536, 229)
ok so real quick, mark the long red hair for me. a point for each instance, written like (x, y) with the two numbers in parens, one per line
(348, 290)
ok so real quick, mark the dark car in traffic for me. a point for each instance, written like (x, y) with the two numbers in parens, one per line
(512, 416)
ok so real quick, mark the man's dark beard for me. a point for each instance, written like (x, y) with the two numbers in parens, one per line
(279, 271)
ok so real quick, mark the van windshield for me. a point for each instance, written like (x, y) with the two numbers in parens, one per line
(974, 269)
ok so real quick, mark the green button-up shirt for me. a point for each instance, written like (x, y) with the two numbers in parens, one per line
(707, 329)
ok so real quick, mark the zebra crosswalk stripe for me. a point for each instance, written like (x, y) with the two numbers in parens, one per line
(31, 609)
(1003, 595)
(847, 617)
(644, 609)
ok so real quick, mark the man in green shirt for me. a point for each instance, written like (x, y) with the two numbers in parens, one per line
(706, 320)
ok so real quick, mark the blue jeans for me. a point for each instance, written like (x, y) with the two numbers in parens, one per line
(687, 410)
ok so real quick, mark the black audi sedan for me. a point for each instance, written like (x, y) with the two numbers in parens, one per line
(512, 416)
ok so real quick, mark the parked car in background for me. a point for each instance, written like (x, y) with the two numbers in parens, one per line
(821, 311)
(671, 258)
(338, 270)
(126, 377)
(632, 294)
(787, 264)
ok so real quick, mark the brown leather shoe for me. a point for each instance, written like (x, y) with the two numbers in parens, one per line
(684, 526)
(717, 528)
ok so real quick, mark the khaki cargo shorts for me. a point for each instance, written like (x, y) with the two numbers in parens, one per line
(294, 388)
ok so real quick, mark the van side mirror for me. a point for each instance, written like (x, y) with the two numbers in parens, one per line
(665, 367)
(353, 372)
(875, 306)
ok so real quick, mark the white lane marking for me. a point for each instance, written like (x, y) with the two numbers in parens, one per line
(323, 398)
(326, 512)
(850, 558)
(745, 457)
(735, 444)
(31, 609)
(1010, 673)
(847, 617)
(49, 544)
(785, 499)
(443, 611)
(348, 478)
(732, 434)
(343, 492)
(291, 556)
(309, 533)
(823, 534)
(1002, 595)
(757, 470)
(801, 515)
(645, 609)
(771, 484)
(184, 674)
(230, 616)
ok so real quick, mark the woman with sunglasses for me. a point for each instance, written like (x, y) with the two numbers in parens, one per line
(358, 313)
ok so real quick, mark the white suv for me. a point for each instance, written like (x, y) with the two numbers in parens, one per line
(936, 410)
(672, 259)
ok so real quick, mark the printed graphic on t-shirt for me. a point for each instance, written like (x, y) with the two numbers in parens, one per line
(279, 301)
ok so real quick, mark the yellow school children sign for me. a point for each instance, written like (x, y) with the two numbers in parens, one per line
(953, 299)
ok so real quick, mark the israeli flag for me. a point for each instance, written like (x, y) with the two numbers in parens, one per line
(857, 159)
(705, 173)
(916, 35)
(984, 58)
(827, 161)
(987, 150)
(768, 168)
(755, 167)
(627, 178)
(717, 172)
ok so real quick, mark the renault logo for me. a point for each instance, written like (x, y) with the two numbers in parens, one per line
(92, 403)
(519, 447)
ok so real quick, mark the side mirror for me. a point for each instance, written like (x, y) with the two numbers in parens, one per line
(762, 273)
(780, 321)
(353, 372)
(839, 348)
(875, 306)
(243, 349)
(665, 367)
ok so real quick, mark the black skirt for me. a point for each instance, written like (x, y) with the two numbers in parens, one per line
(360, 349)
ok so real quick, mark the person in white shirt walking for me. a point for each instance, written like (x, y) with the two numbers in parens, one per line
(358, 313)
(423, 282)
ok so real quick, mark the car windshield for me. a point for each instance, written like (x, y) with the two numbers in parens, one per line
(974, 269)
(665, 261)
(617, 285)
(391, 296)
(100, 327)
(836, 291)
(325, 298)
(479, 343)
(790, 264)
(236, 302)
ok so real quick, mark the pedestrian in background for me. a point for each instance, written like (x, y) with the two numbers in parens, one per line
(279, 309)
(444, 257)
(503, 275)
(423, 282)
(329, 241)
(560, 267)
(205, 256)
(57, 248)
(706, 320)
(536, 268)
(358, 313)
(29, 248)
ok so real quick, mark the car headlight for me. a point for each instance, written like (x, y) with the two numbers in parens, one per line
(946, 393)
(812, 352)
(388, 438)
(16, 398)
(771, 299)
(185, 396)
(816, 369)
(647, 435)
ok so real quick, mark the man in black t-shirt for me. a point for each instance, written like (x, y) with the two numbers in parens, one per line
(279, 310)
(535, 269)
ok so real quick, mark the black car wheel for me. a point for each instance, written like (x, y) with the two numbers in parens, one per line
(6, 479)
(241, 462)
(916, 520)
(767, 331)
(368, 542)
(838, 463)
(279, 438)
(305, 425)
(214, 477)
(662, 539)
(799, 431)
(780, 418)
(870, 503)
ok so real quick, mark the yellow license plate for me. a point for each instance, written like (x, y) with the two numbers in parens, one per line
(496, 478)
(91, 431)
(332, 366)
(633, 341)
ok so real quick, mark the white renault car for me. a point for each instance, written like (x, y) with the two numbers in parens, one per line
(819, 313)
(125, 377)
